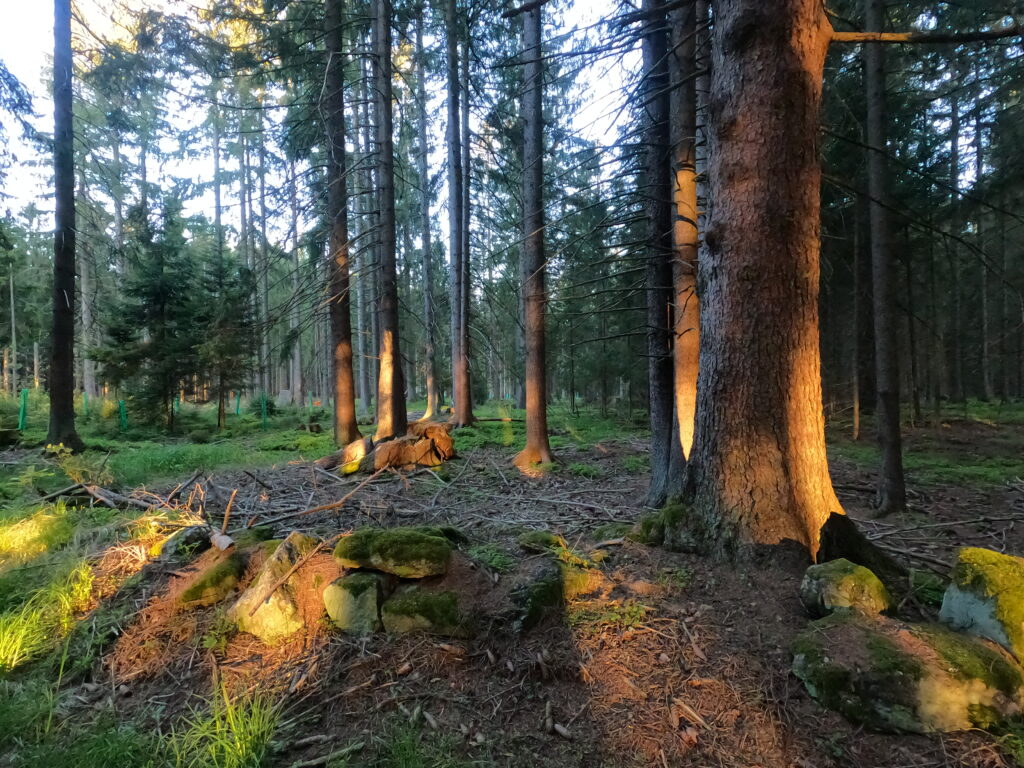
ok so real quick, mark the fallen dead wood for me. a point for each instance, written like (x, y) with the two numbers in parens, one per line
(182, 486)
(338, 754)
(112, 499)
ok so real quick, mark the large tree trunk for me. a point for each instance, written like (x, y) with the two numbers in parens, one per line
(62, 360)
(430, 356)
(537, 448)
(461, 388)
(391, 414)
(890, 494)
(758, 470)
(345, 427)
(657, 191)
(685, 240)
(366, 260)
(957, 385)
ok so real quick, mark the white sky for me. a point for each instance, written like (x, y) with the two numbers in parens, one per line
(26, 44)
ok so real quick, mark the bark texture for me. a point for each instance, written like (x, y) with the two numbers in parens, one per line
(890, 493)
(345, 427)
(62, 360)
(657, 191)
(759, 474)
(537, 448)
(391, 413)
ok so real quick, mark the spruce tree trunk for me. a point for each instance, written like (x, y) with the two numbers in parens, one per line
(657, 191)
(430, 355)
(758, 470)
(62, 360)
(295, 362)
(391, 413)
(366, 260)
(263, 284)
(685, 239)
(890, 494)
(345, 427)
(537, 449)
(14, 333)
(35, 365)
(957, 383)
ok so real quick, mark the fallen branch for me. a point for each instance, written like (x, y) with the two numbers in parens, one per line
(328, 758)
(62, 492)
(182, 486)
(1007, 518)
(324, 507)
(111, 499)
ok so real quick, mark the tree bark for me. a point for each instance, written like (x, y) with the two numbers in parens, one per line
(430, 355)
(62, 360)
(461, 388)
(345, 428)
(391, 413)
(890, 493)
(294, 325)
(534, 268)
(758, 470)
(685, 235)
(658, 194)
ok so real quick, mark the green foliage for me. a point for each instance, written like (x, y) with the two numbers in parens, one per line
(230, 733)
(219, 633)
(405, 746)
(636, 464)
(495, 557)
(675, 578)
(585, 470)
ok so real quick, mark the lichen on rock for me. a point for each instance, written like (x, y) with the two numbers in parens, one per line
(840, 584)
(275, 618)
(412, 609)
(986, 597)
(893, 676)
(405, 552)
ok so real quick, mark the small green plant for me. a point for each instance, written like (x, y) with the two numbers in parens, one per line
(219, 633)
(675, 578)
(81, 467)
(493, 556)
(636, 464)
(233, 733)
(585, 470)
(595, 617)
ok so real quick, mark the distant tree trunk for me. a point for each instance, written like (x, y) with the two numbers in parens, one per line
(987, 378)
(391, 413)
(758, 470)
(537, 449)
(890, 493)
(345, 428)
(957, 385)
(686, 344)
(430, 361)
(657, 190)
(465, 367)
(366, 261)
(294, 326)
(263, 283)
(87, 285)
(62, 360)
(14, 333)
(218, 209)
(461, 389)
(36, 380)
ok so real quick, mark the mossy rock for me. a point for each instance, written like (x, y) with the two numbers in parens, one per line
(353, 602)
(649, 530)
(251, 537)
(842, 585)
(892, 676)
(405, 552)
(215, 582)
(538, 595)
(986, 597)
(417, 610)
(277, 618)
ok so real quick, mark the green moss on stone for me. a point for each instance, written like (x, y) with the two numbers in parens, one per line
(250, 537)
(352, 602)
(216, 582)
(969, 659)
(404, 552)
(649, 530)
(541, 541)
(890, 660)
(357, 583)
(999, 578)
(419, 610)
(841, 584)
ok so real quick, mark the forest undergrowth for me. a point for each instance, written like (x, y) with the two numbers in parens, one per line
(676, 660)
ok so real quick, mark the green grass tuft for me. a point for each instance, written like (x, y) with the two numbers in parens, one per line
(232, 733)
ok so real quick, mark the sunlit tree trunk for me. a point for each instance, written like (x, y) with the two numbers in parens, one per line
(758, 470)
(62, 360)
(391, 413)
(430, 361)
(890, 494)
(658, 197)
(686, 342)
(345, 427)
(537, 448)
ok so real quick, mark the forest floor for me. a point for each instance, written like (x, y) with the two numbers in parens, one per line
(679, 661)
